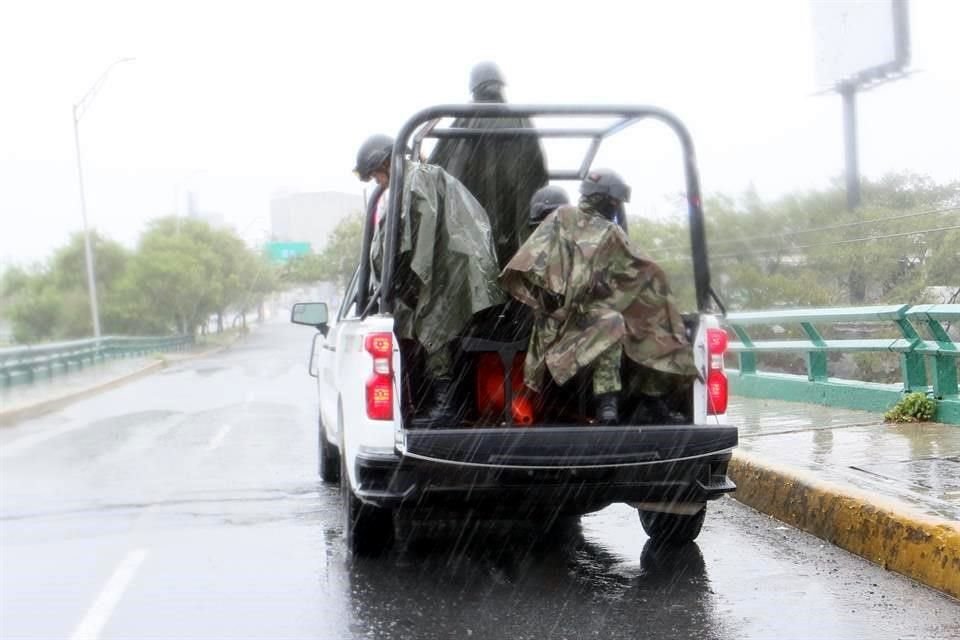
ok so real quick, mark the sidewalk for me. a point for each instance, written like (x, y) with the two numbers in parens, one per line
(888, 492)
(29, 400)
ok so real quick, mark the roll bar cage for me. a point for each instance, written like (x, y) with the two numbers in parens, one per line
(424, 124)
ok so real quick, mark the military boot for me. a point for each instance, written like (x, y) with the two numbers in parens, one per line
(608, 412)
(443, 411)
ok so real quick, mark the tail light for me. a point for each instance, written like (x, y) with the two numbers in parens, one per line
(379, 386)
(717, 386)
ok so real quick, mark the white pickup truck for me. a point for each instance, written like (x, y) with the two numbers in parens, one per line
(555, 464)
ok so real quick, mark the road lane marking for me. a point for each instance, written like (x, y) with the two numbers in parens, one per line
(218, 438)
(99, 613)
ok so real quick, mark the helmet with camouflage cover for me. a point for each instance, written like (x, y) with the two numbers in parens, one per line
(374, 151)
(544, 201)
(605, 182)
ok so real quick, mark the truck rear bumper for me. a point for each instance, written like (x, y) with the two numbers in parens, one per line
(567, 447)
(563, 469)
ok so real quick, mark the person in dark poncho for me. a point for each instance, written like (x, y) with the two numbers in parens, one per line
(501, 173)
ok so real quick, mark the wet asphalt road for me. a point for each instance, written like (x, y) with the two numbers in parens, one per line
(186, 504)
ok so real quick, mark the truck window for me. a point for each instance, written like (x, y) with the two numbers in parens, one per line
(349, 304)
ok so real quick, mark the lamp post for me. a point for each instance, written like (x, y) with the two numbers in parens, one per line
(79, 108)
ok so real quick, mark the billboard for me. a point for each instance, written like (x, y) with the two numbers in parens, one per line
(859, 42)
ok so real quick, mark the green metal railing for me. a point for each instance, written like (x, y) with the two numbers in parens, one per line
(20, 365)
(927, 364)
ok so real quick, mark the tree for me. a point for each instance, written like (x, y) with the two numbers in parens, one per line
(806, 249)
(68, 265)
(50, 301)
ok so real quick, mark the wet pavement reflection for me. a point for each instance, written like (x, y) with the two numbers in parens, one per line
(507, 579)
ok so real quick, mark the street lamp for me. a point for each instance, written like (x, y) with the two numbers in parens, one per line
(79, 108)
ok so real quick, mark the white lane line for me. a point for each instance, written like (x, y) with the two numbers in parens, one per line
(99, 613)
(218, 438)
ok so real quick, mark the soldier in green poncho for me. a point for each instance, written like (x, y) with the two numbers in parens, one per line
(596, 299)
(446, 264)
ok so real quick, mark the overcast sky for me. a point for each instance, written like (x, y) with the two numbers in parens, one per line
(235, 101)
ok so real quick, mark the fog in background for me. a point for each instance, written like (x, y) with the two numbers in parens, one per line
(237, 101)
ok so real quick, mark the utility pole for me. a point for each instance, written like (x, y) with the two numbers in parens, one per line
(87, 248)
(849, 94)
(78, 110)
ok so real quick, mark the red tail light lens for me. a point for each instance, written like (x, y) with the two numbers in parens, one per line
(717, 386)
(717, 341)
(718, 393)
(379, 387)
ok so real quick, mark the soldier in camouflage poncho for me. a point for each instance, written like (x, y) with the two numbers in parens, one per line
(446, 265)
(595, 298)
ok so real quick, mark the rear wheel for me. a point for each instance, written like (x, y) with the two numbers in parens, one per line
(328, 456)
(368, 530)
(673, 529)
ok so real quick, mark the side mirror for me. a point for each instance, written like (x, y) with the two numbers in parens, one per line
(312, 314)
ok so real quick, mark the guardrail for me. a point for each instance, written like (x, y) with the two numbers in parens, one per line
(927, 364)
(20, 365)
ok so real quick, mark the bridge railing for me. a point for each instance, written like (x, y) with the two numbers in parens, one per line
(926, 363)
(19, 365)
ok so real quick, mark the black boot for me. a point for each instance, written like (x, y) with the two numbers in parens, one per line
(608, 412)
(442, 412)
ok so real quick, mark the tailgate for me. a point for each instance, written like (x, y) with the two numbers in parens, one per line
(564, 447)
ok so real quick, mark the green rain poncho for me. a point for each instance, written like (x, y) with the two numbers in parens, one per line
(446, 268)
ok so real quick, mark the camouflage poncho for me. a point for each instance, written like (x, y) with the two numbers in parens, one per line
(446, 266)
(590, 290)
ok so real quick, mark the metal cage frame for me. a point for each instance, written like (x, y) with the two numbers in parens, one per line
(423, 125)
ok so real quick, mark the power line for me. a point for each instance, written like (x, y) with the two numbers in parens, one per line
(845, 225)
(838, 242)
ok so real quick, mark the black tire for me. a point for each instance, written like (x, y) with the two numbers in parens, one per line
(368, 530)
(672, 529)
(328, 457)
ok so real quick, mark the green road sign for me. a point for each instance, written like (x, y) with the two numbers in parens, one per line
(281, 252)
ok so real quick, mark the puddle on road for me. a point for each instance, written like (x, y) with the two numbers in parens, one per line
(208, 371)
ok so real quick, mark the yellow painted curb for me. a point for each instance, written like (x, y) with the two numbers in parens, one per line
(888, 533)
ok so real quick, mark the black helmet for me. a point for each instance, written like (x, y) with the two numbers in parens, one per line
(544, 201)
(605, 182)
(372, 154)
(483, 73)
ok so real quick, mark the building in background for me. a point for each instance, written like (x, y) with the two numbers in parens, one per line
(310, 216)
(215, 219)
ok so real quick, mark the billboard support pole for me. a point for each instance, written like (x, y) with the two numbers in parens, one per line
(849, 94)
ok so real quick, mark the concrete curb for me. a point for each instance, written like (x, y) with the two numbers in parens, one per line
(11, 416)
(888, 533)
